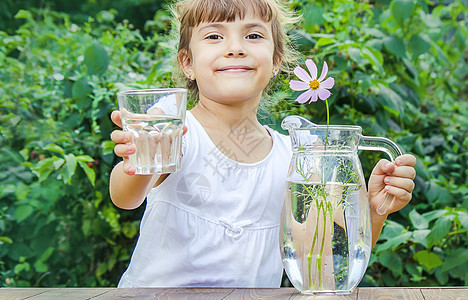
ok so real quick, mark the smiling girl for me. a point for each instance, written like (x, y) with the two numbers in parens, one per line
(215, 223)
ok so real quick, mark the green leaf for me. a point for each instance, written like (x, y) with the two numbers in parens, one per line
(303, 40)
(440, 230)
(23, 212)
(437, 193)
(85, 158)
(418, 45)
(22, 267)
(130, 230)
(419, 236)
(421, 169)
(69, 168)
(392, 261)
(58, 162)
(374, 57)
(395, 241)
(428, 259)
(43, 168)
(356, 55)
(96, 59)
(19, 251)
(24, 14)
(395, 45)
(101, 269)
(391, 229)
(442, 277)
(40, 265)
(417, 220)
(325, 41)
(432, 215)
(88, 171)
(463, 218)
(313, 17)
(458, 257)
(81, 89)
(5, 239)
(392, 100)
(54, 148)
(86, 227)
(401, 10)
(16, 157)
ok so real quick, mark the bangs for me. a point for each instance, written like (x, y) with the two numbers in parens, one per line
(207, 11)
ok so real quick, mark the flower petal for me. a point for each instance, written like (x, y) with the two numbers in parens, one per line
(327, 83)
(297, 85)
(323, 93)
(302, 74)
(312, 68)
(313, 97)
(304, 96)
(324, 71)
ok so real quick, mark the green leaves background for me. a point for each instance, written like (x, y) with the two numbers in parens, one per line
(400, 69)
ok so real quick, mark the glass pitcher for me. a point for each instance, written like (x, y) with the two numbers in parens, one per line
(325, 234)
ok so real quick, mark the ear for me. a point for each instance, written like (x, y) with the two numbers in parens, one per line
(277, 65)
(185, 62)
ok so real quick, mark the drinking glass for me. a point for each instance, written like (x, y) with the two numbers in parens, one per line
(155, 118)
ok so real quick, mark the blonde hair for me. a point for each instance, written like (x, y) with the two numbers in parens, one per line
(191, 13)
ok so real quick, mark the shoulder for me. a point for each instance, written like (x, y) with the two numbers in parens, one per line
(281, 140)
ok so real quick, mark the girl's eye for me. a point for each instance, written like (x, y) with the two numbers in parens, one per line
(254, 36)
(213, 37)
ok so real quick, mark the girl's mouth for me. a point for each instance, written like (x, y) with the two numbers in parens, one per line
(235, 69)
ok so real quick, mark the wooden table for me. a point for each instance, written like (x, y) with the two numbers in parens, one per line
(426, 293)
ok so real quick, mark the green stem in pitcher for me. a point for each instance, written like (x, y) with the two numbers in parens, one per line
(320, 255)
(309, 256)
(328, 124)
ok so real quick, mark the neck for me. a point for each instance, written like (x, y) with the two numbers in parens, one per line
(226, 116)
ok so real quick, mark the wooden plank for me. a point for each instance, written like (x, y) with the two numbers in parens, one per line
(383, 293)
(352, 296)
(19, 293)
(411, 293)
(283, 293)
(445, 293)
(166, 293)
(69, 293)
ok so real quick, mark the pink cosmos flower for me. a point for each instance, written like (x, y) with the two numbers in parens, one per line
(314, 88)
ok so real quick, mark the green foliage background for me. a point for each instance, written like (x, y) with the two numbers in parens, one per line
(400, 68)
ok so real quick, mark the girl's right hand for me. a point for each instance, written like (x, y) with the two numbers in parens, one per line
(123, 147)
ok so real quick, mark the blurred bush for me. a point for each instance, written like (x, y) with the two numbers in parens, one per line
(401, 71)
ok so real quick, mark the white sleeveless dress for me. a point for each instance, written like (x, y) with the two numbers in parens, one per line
(215, 223)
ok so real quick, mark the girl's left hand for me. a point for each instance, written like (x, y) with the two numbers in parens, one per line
(394, 178)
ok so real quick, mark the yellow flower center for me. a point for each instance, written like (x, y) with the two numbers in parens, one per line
(314, 84)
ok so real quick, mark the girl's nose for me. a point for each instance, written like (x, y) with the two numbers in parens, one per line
(236, 53)
(235, 49)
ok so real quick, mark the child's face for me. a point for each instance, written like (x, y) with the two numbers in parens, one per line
(231, 62)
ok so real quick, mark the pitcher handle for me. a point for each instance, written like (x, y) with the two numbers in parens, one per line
(391, 149)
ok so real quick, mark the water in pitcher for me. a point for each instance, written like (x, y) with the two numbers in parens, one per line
(157, 139)
(321, 249)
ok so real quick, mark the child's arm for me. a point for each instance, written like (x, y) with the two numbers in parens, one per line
(127, 191)
(394, 178)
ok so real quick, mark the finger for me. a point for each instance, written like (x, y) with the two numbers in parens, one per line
(401, 195)
(404, 172)
(128, 168)
(121, 137)
(402, 183)
(383, 167)
(405, 160)
(124, 150)
(185, 130)
(116, 118)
